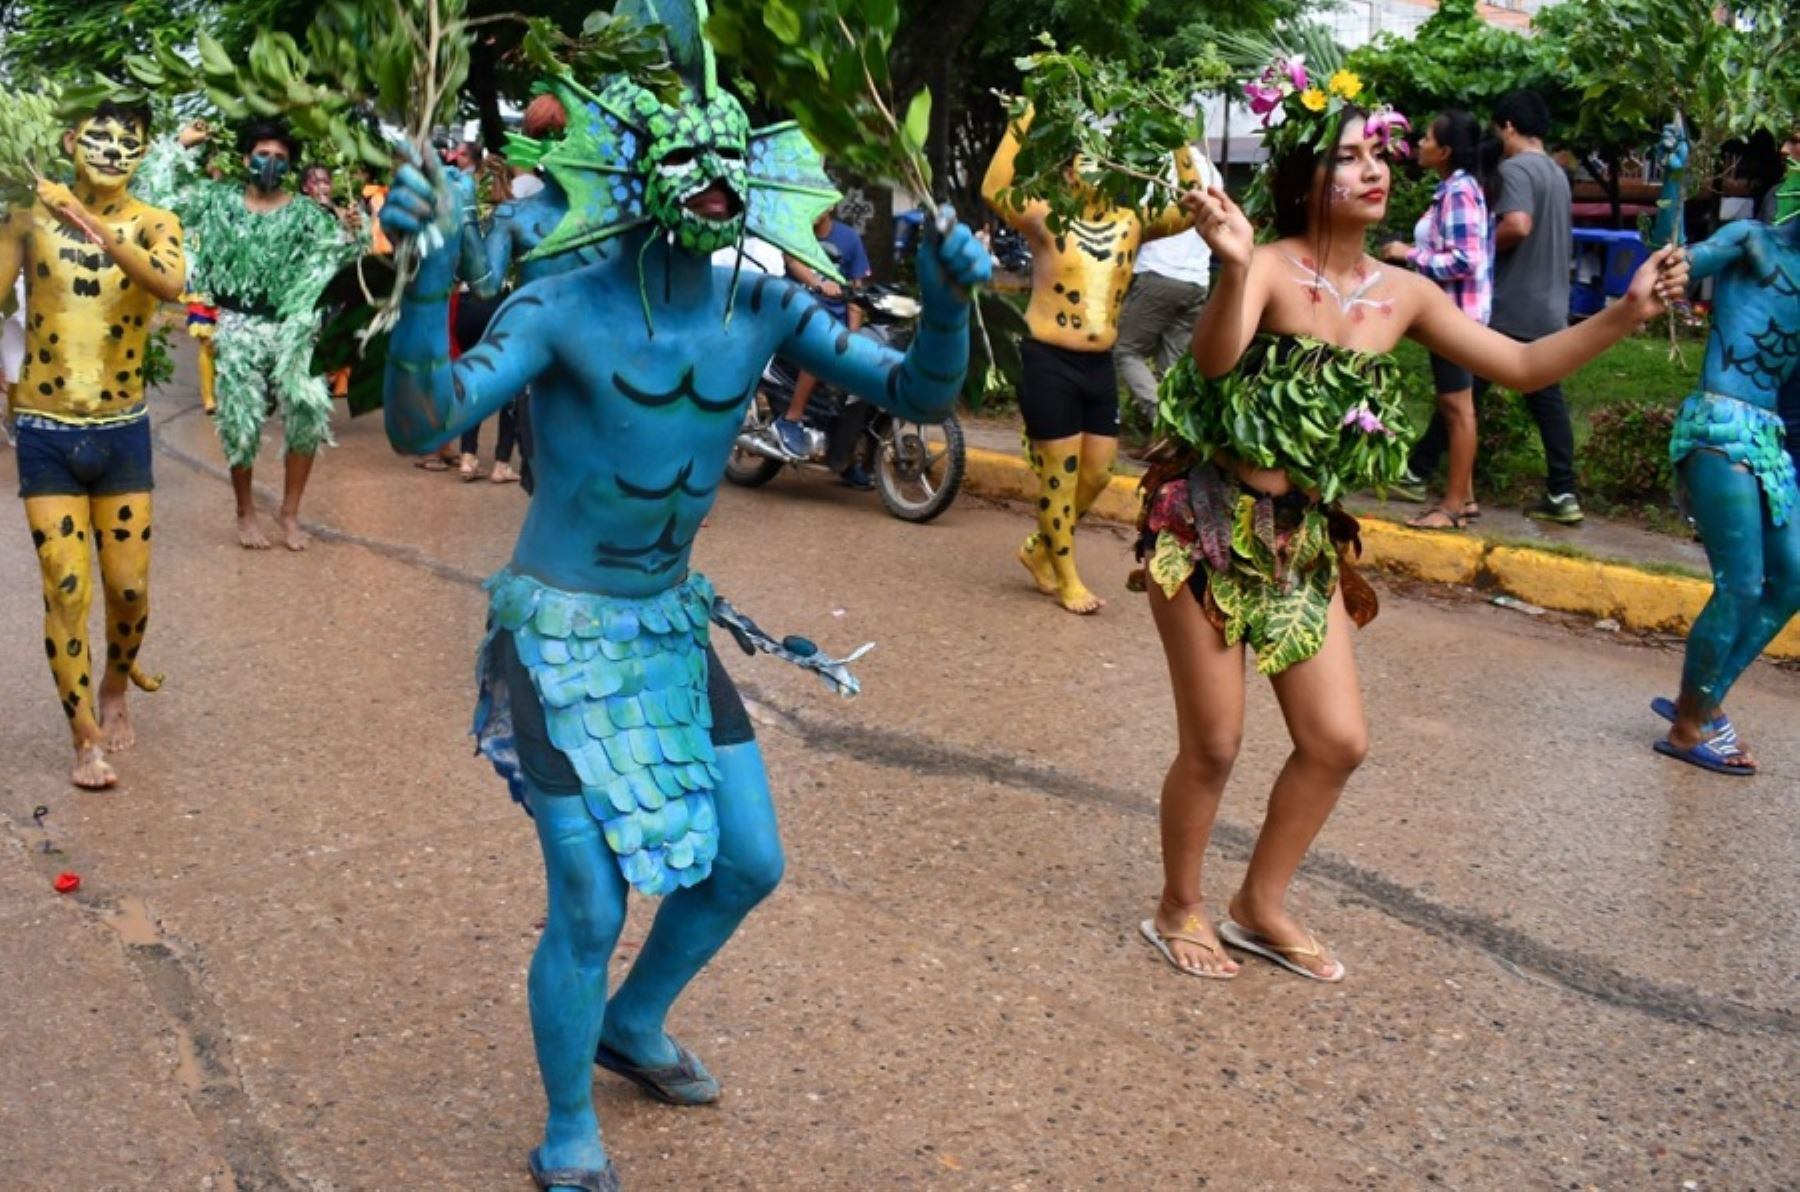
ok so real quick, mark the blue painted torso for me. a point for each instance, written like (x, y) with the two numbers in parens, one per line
(1754, 346)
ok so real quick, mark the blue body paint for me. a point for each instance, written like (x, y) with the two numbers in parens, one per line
(1728, 446)
(635, 417)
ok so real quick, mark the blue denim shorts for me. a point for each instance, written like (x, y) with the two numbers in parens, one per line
(66, 460)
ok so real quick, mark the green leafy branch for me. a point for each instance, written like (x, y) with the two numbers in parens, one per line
(30, 138)
(606, 45)
(826, 62)
(1117, 125)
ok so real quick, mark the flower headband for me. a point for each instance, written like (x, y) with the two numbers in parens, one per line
(1311, 115)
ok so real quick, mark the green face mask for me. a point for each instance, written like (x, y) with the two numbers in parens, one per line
(691, 148)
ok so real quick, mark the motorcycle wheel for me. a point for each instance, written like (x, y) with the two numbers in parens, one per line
(919, 467)
(746, 468)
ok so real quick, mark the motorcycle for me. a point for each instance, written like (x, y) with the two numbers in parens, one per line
(917, 468)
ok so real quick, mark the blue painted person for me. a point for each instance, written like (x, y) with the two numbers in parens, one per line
(600, 699)
(1731, 461)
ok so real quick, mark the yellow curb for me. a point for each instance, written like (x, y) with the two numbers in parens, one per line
(1435, 558)
(1637, 599)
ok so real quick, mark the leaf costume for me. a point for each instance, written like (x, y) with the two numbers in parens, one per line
(1264, 568)
(265, 271)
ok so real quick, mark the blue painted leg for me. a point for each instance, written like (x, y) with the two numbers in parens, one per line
(1727, 506)
(694, 923)
(1780, 599)
(567, 985)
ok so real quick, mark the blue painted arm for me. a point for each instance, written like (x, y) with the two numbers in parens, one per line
(1670, 226)
(923, 384)
(1720, 250)
(487, 256)
(428, 400)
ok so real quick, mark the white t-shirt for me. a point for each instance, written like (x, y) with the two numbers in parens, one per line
(12, 344)
(759, 257)
(1184, 256)
(526, 185)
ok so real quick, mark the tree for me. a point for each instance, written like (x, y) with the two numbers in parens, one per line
(65, 39)
(1637, 64)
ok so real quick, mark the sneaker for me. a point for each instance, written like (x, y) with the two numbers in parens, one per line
(790, 436)
(1408, 488)
(856, 478)
(1556, 507)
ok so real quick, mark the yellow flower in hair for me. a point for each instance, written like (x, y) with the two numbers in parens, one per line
(1314, 99)
(1346, 84)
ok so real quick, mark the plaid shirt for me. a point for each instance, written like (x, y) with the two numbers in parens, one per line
(1455, 246)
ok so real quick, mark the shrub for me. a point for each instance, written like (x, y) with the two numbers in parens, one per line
(1626, 456)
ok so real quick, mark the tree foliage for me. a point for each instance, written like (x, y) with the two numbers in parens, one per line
(1457, 60)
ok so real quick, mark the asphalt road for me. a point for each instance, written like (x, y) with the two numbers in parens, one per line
(297, 958)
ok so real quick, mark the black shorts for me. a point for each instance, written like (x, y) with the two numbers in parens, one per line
(1065, 393)
(1447, 376)
(109, 460)
(546, 766)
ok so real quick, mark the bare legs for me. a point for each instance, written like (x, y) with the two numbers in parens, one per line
(1323, 710)
(298, 468)
(1457, 410)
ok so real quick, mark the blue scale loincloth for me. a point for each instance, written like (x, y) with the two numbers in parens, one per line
(623, 686)
(1749, 436)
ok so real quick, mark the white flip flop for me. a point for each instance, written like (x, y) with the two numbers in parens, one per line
(1248, 941)
(1160, 942)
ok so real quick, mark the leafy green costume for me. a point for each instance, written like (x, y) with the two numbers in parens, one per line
(265, 271)
(1329, 417)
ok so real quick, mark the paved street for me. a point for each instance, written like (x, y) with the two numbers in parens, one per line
(297, 959)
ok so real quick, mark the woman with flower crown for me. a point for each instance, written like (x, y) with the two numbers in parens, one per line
(1289, 401)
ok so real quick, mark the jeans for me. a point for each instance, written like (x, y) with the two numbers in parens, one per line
(1156, 323)
(1551, 413)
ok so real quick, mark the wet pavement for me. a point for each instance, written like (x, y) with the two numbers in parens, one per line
(297, 959)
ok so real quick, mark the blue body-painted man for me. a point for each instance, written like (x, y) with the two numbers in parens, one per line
(600, 698)
(1729, 453)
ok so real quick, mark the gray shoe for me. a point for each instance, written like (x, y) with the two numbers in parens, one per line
(1562, 508)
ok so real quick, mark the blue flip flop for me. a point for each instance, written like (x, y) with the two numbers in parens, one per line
(1713, 754)
(1665, 707)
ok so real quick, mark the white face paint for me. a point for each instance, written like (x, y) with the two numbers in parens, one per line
(1339, 192)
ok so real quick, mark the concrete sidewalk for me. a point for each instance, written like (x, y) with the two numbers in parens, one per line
(1602, 569)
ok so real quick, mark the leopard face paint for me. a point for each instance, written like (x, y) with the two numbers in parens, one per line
(107, 153)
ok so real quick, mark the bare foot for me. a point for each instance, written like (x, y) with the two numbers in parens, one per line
(292, 536)
(1208, 958)
(250, 535)
(91, 771)
(1281, 932)
(1035, 559)
(115, 722)
(1685, 734)
(503, 474)
(1077, 599)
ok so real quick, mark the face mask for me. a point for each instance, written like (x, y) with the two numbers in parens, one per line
(267, 171)
(691, 148)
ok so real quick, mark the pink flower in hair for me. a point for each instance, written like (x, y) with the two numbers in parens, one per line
(1296, 72)
(1264, 100)
(1389, 127)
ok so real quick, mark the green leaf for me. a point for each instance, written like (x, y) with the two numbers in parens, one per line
(782, 21)
(917, 128)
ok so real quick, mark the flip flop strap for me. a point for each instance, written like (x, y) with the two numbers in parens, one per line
(1184, 937)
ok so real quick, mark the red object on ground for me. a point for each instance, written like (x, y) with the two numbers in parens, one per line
(67, 883)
